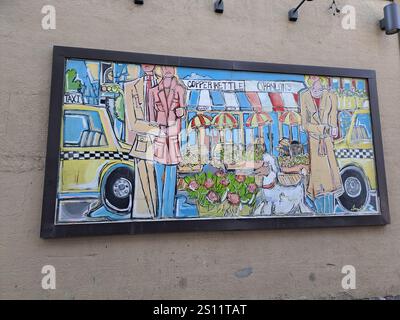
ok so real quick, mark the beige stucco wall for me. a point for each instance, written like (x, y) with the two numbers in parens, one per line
(278, 264)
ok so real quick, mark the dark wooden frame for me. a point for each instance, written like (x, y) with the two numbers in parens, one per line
(51, 230)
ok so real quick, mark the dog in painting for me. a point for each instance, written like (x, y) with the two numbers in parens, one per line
(276, 199)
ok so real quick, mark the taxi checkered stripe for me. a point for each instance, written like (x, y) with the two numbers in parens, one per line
(355, 153)
(95, 155)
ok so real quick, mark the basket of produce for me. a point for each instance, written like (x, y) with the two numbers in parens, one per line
(289, 179)
(190, 163)
(294, 164)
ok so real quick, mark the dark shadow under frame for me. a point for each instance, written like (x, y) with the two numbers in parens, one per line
(50, 230)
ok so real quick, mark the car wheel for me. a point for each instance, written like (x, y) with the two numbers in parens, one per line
(356, 191)
(118, 190)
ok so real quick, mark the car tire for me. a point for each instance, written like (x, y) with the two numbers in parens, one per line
(118, 190)
(356, 191)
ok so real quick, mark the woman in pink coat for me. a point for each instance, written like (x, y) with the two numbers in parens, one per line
(168, 100)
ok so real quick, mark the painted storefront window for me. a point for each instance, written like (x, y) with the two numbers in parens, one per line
(153, 142)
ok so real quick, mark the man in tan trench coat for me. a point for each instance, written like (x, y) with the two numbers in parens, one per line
(140, 130)
(319, 119)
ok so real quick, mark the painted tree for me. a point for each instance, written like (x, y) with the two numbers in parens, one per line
(119, 103)
(71, 82)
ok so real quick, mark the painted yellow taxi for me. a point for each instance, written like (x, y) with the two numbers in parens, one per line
(94, 164)
(355, 156)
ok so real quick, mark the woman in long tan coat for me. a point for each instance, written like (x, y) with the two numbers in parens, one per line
(319, 119)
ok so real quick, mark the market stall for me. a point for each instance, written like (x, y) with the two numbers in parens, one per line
(242, 113)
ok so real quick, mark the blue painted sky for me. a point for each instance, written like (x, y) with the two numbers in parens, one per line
(236, 75)
(183, 72)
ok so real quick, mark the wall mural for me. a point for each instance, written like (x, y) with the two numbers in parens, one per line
(151, 142)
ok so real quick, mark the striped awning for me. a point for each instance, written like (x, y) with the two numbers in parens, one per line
(224, 121)
(250, 100)
(290, 118)
(200, 121)
(258, 119)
